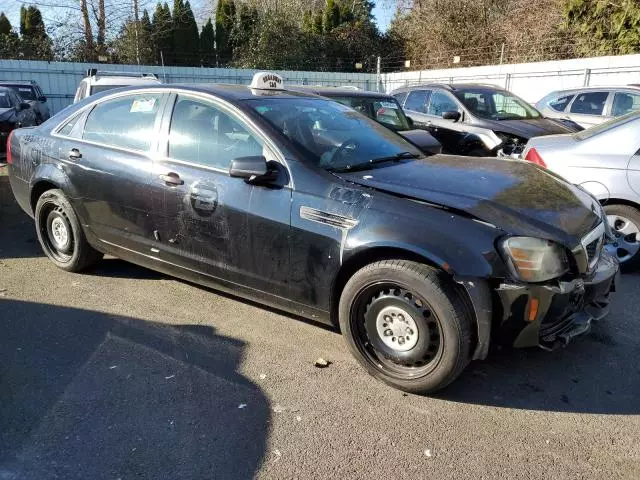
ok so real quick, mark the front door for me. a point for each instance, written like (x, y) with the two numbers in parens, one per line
(448, 132)
(107, 153)
(207, 221)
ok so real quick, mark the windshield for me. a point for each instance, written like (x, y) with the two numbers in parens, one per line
(26, 93)
(103, 88)
(384, 111)
(332, 135)
(605, 126)
(495, 104)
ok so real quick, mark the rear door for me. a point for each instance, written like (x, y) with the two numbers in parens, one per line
(207, 221)
(589, 108)
(108, 161)
(625, 102)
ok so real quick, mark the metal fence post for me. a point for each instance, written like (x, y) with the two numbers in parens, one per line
(379, 74)
(587, 77)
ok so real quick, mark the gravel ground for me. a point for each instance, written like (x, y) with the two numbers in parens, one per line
(124, 373)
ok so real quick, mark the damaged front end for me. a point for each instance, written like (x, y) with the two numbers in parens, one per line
(550, 315)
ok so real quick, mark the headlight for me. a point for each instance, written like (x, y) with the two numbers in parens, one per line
(533, 259)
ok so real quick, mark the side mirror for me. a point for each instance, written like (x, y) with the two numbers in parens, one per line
(451, 115)
(410, 122)
(250, 168)
(23, 106)
(42, 99)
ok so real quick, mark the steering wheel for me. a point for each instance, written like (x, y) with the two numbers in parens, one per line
(349, 142)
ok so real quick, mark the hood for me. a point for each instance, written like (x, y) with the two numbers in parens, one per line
(515, 196)
(534, 127)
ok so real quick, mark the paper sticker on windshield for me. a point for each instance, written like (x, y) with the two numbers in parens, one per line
(388, 105)
(3, 94)
(22, 89)
(143, 105)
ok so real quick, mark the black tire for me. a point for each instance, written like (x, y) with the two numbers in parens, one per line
(436, 307)
(627, 263)
(54, 212)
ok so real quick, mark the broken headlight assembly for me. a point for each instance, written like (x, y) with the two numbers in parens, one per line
(511, 145)
(534, 259)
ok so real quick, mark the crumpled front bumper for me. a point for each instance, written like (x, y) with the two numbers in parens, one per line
(564, 311)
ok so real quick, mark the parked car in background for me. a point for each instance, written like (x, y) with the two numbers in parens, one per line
(98, 81)
(31, 93)
(604, 160)
(476, 120)
(15, 112)
(297, 201)
(590, 106)
(380, 107)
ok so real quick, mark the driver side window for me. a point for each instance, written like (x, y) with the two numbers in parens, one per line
(204, 134)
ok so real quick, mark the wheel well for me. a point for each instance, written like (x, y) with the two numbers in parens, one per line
(619, 201)
(37, 190)
(362, 259)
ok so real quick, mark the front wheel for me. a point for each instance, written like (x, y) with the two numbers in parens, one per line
(625, 223)
(60, 234)
(406, 324)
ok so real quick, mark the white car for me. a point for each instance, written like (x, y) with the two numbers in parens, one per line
(605, 161)
(98, 81)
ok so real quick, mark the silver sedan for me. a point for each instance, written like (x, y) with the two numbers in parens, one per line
(605, 161)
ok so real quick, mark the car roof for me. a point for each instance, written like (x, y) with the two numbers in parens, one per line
(337, 91)
(5, 89)
(26, 83)
(229, 92)
(619, 88)
(122, 80)
(452, 87)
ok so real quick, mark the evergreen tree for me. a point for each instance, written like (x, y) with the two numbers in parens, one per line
(36, 44)
(317, 22)
(225, 18)
(331, 16)
(5, 25)
(162, 34)
(208, 45)
(191, 37)
(178, 32)
(247, 19)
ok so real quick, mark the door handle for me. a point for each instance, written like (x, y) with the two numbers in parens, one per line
(74, 154)
(171, 179)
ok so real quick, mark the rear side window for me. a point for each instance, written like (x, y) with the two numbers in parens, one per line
(400, 97)
(589, 103)
(204, 134)
(559, 104)
(625, 102)
(417, 100)
(440, 103)
(125, 122)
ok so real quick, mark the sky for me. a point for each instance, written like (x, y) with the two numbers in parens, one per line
(383, 12)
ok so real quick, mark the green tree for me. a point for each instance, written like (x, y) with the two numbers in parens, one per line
(208, 45)
(162, 28)
(134, 43)
(603, 27)
(246, 21)
(331, 16)
(225, 19)
(35, 43)
(5, 25)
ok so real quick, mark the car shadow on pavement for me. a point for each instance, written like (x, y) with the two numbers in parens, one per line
(84, 394)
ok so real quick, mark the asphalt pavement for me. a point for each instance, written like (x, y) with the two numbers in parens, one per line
(123, 373)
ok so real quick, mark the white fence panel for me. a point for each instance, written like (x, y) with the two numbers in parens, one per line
(59, 80)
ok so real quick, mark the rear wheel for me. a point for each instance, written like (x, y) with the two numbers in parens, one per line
(406, 324)
(625, 223)
(60, 234)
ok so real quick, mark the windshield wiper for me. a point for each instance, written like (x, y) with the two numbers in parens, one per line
(373, 161)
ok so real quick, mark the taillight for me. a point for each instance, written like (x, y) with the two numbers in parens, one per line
(534, 157)
(9, 157)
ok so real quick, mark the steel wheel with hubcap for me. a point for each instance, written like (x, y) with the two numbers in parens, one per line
(406, 324)
(60, 234)
(625, 223)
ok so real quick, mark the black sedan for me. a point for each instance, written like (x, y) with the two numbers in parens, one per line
(14, 113)
(301, 203)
